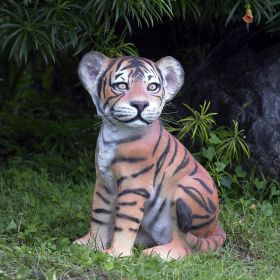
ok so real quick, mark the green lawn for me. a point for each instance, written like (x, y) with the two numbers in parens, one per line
(43, 211)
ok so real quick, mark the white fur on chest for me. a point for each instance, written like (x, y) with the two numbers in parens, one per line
(105, 156)
(106, 153)
(107, 142)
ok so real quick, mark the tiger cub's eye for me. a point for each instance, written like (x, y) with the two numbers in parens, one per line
(153, 86)
(120, 86)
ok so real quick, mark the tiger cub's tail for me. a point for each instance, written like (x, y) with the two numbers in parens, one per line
(209, 243)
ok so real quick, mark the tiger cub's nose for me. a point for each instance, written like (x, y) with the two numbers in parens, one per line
(139, 105)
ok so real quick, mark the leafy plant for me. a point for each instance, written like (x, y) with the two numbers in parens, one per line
(232, 146)
(220, 148)
(48, 27)
(198, 123)
(145, 11)
(262, 10)
(223, 151)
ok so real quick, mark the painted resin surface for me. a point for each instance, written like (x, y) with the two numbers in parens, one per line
(149, 189)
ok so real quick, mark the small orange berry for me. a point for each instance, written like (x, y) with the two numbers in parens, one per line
(248, 17)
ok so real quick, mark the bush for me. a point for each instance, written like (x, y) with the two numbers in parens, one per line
(223, 151)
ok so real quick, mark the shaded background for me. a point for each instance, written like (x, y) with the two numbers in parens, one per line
(45, 114)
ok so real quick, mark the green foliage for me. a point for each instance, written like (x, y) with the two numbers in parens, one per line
(198, 123)
(263, 10)
(41, 130)
(223, 151)
(41, 215)
(45, 28)
(145, 11)
(49, 27)
(222, 143)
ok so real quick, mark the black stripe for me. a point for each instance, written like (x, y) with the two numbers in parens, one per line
(133, 229)
(131, 203)
(120, 63)
(129, 139)
(199, 200)
(102, 211)
(184, 215)
(128, 159)
(200, 216)
(128, 77)
(199, 226)
(118, 75)
(157, 192)
(194, 170)
(158, 96)
(143, 171)
(104, 87)
(182, 164)
(118, 229)
(140, 192)
(103, 198)
(208, 245)
(127, 217)
(198, 244)
(202, 183)
(221, 236)
(114, 104)
(157, 143)
(215, 242)
(120, 180)
(161, 159)
(129, 66)
(211, 205)
(175, 152)
(108, 100)
(99, 86)
(108, 191)
(149, 62)
(100, 80)
(98, 221)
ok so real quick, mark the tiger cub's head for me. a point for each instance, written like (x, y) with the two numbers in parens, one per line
(130, 90)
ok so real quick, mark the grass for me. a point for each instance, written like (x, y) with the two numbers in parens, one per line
(46, 179)
(43, 212)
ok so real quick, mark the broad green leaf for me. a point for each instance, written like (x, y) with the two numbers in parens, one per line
(12, 226)
(209, 153)
(226, 181)
(219, 166)
(214, 139)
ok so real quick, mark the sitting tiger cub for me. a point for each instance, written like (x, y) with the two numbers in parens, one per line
(149, 189)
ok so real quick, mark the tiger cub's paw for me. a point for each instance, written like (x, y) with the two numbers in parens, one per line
(85, 240)
(114, 253)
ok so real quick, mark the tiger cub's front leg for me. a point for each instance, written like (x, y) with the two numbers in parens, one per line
(102, 218)
(132, 195)
(127, 221)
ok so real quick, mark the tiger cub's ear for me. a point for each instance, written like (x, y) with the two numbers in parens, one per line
(173, 75)
(91, 67)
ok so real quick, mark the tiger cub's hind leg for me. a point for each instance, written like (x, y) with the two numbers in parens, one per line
(175, 249)
(195, 212)
(182, 222)
(210, 242)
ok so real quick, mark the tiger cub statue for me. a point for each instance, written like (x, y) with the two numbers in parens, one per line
(149, 189)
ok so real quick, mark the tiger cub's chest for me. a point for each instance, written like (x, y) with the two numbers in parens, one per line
(105, 156)
(108, 139)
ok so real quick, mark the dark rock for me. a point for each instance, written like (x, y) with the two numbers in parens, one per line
(241, 78)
